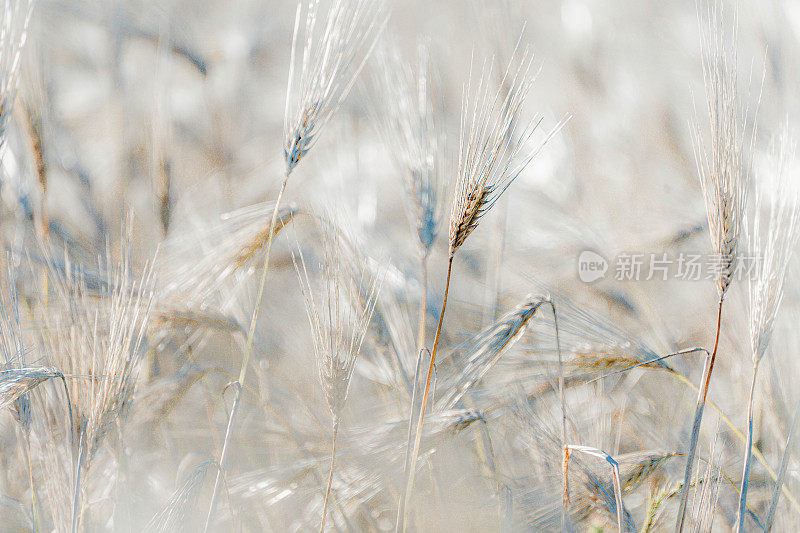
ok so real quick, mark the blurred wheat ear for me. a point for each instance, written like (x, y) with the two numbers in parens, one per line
(15, 15)
(175, 516)
(411, 120)
(94, 333)
(773, 239)
(339, 316)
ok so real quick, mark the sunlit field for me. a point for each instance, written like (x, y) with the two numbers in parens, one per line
(372, 265)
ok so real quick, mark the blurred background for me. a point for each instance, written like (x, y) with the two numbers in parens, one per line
(173, 111)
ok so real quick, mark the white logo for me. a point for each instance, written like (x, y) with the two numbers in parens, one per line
(591, 266)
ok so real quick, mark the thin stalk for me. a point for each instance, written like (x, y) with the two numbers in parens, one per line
(223, 455)
(680, 377)
(776, 493)
(698, 418)
(76, 497)
(330, 476)
(617, 495)
(407, 460)
(420, 350)
(418, 438)
(747, 455)
(246, 358)
(423, 303)
(755, 451)
(33, 486)
(565, 499)
(251, 333)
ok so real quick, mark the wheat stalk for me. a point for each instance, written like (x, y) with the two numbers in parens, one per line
(493, 152)
(327, 71)
(413, 126)
(97, 337)
(772, 240)
(724, 179)
(339, 317)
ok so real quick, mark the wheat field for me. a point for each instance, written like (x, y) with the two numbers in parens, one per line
(373, 265)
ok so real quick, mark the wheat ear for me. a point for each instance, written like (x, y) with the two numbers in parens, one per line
(724, 180)
(494, 150)
(328, 70)
(772, 244)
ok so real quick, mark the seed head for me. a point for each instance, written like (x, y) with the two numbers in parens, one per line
(413, 126)
(494, 147)
(339, 316)
(773, 238)
(723, 175)
(328, 68)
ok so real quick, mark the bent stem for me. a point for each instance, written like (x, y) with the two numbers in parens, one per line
(330, 476)
(747, 454)
(245, 358)
(596, 452)
(418, 438)
(777, 477)
(698, 418)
